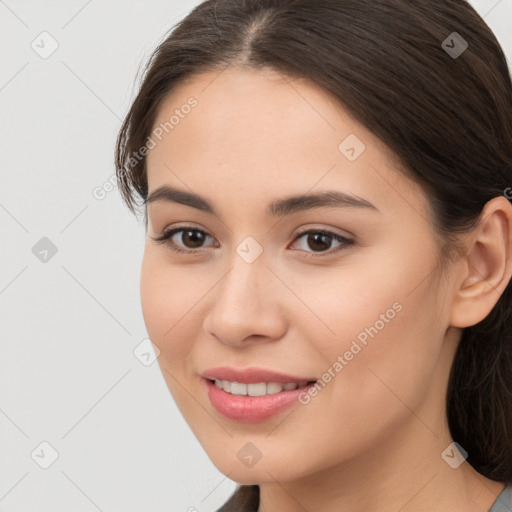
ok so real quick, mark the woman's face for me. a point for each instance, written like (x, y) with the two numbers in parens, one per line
(360, 314)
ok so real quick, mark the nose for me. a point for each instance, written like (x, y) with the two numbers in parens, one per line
(245, 305)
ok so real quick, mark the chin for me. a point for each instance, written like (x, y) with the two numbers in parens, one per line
(269, 468)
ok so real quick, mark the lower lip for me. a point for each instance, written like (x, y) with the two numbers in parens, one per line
(252, 409)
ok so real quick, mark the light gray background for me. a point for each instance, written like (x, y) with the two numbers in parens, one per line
(69, 326)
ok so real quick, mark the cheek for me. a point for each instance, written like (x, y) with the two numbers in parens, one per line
(152, 298)
(385, 371)
(393, 355)
(172, 300)
(167, 306)
(383, 339)
(165, 301)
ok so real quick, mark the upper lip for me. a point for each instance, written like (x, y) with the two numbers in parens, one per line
(251, 375)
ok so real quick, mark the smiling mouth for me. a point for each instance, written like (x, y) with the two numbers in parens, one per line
(259, 388)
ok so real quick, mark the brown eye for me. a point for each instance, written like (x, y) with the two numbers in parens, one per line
(190, 238)
(320, 241)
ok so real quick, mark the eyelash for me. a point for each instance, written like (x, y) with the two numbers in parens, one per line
(167, 235)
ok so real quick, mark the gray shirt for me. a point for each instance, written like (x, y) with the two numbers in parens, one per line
(503, 502)
(246, 499)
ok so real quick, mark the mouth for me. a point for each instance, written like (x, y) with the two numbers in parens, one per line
(254, 402)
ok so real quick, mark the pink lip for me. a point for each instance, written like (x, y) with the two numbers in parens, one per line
(251, 409)
(251, 375)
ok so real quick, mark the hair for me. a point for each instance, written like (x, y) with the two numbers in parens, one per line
(446, 119)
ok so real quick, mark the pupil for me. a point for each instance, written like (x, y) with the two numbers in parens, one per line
(195, 239)
(317, 236)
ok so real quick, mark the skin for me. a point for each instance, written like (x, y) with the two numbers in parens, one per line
(372, 439)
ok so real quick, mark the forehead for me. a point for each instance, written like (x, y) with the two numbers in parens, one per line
(255, 109)
(268, 132)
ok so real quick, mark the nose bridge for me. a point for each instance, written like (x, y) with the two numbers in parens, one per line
(243, 304)
(248, 271)
(241, 288)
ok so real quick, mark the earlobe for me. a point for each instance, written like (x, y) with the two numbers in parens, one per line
(486, 268)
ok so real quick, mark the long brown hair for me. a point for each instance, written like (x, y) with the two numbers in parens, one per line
(444, 109)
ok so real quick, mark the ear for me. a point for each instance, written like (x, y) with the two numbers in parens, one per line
(486, 267)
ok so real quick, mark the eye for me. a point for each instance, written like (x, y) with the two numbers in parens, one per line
(192, 239)
(319, 240)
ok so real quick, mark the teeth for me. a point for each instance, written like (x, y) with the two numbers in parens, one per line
(238, 388)
(258, 389)
(274, 387)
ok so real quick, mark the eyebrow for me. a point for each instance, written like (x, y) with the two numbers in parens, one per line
(278, 208)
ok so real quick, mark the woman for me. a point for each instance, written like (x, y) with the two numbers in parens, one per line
(325, 187)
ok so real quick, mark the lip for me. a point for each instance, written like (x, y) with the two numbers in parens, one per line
(251, 375)
(251, 409)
